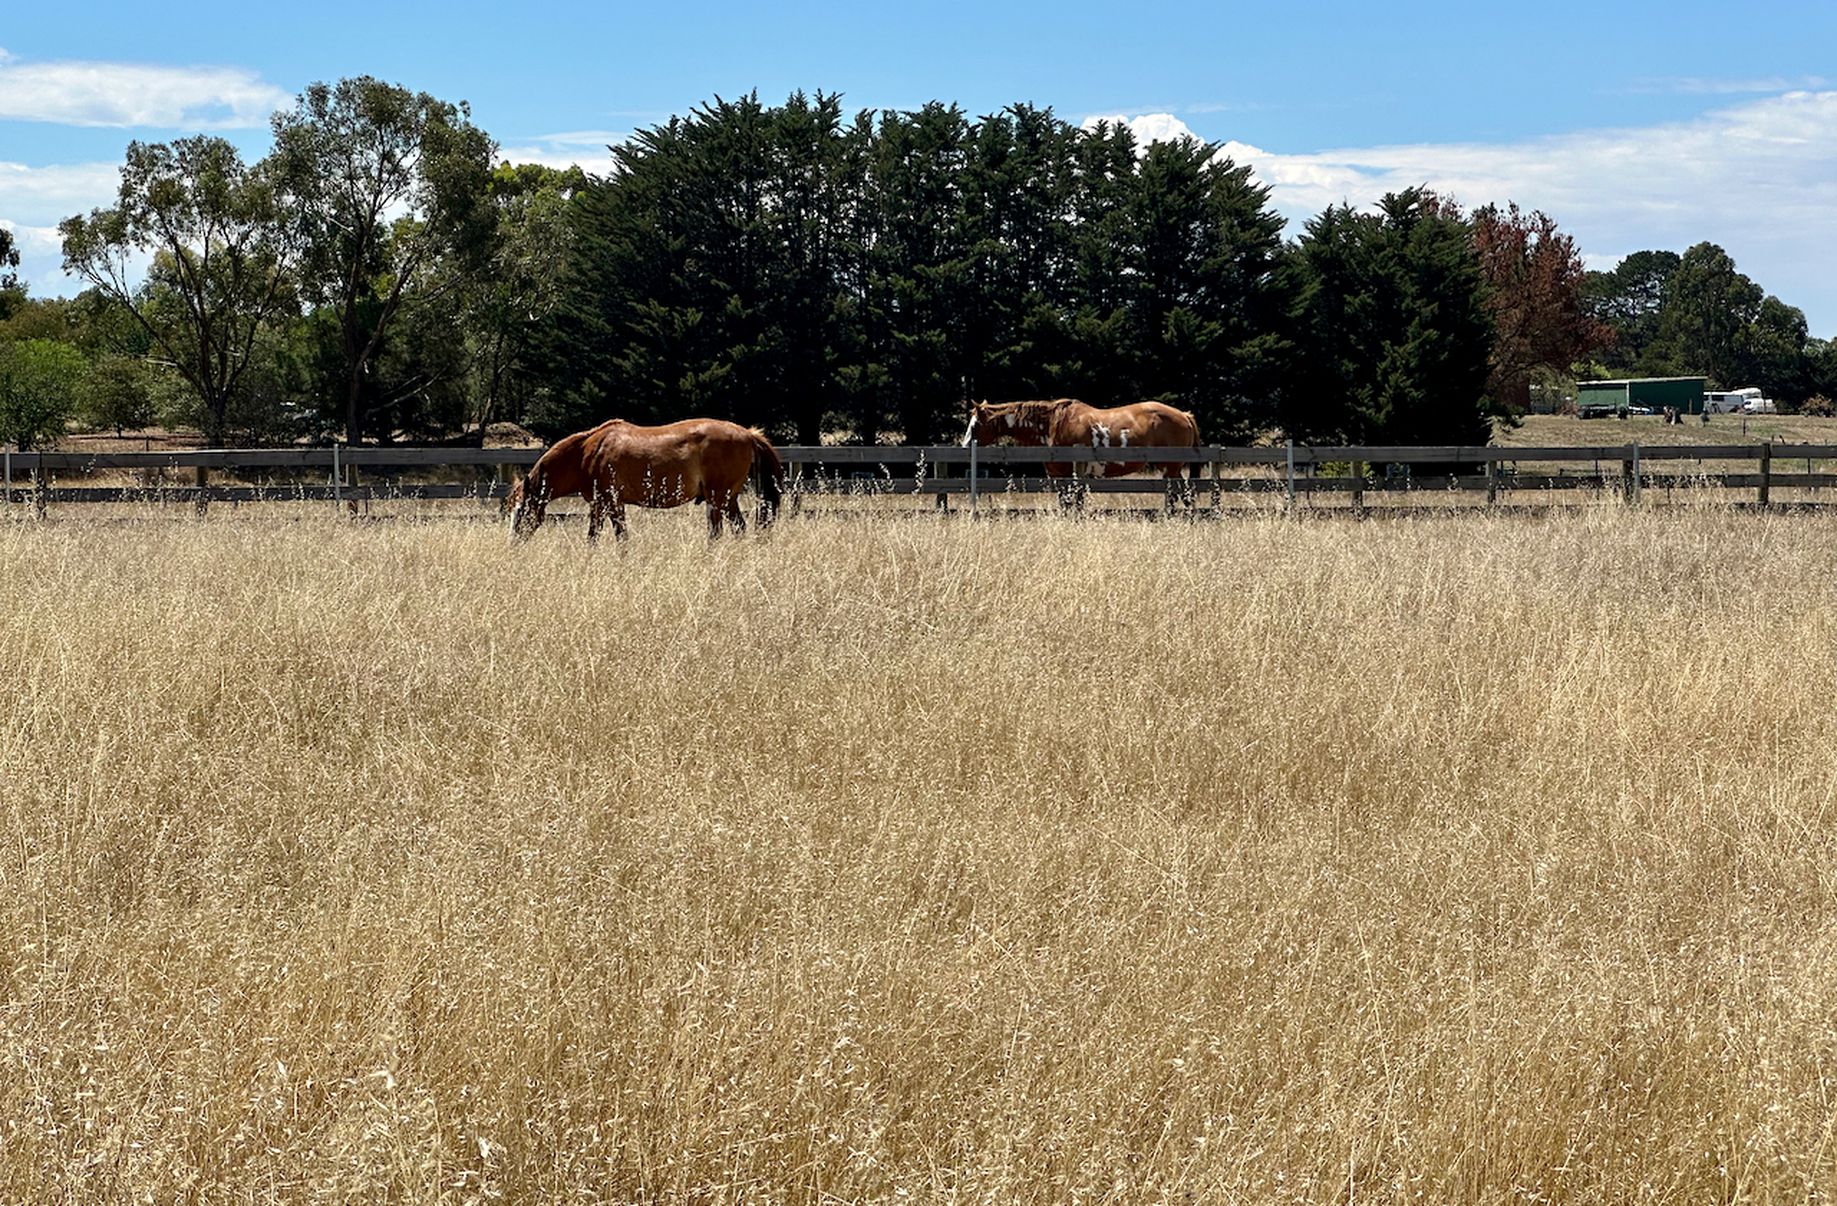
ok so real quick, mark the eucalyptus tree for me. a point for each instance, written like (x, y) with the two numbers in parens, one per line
(508, 305)
(9, 263)
(390, 192)
(1708, 309)
(196, 250)
(1629, 298)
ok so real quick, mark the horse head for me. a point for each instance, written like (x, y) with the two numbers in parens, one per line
(525, 506)
(980, 429)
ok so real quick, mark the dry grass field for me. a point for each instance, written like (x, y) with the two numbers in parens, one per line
(1461, 859)
(1652, 429)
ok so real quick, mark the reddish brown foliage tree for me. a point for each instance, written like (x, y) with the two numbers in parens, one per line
(1534, 286)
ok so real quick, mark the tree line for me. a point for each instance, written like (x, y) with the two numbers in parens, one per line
(380, 275)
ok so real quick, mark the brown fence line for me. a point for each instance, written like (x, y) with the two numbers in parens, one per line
(1621, 467)
(912, 454)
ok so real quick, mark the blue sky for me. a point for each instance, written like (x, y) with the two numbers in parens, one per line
(1635, 124)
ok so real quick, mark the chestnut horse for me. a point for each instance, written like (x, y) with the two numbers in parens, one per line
(1069, 422)
(696, 460)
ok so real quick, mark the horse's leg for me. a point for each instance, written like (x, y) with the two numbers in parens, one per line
(736, 518)
(615, 515)
(714, 520)
(596, 514)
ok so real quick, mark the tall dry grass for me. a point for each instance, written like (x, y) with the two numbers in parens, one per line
(1461, 860)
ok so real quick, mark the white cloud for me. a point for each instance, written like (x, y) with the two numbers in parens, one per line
(1147, 127)
(585, 148)
(1759, 178)
(600, 139)
(37, 194)
(33, 200)
(79, 93)
(41, 259)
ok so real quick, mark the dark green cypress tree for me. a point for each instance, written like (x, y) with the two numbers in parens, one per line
(1392, 335)
(1210, 299)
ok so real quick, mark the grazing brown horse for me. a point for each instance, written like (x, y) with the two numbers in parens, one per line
(696, 460)
(1069, 422)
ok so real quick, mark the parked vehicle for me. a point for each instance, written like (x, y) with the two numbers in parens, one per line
(1748, 400)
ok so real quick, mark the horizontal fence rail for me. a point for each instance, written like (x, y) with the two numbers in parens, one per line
(352, 475)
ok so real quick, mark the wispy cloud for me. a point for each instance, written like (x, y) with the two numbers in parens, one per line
(1758, 177)
(585, 138)
(585, 148)
(55, 192)
(81, 93)
(1222, 107)
(1708, 85)
(33, 200)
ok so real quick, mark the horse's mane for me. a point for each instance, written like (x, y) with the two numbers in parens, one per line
(1033, 414)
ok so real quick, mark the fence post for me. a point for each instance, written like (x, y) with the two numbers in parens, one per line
(1766, 473)
(1358, 487)
(974, 496)
(1290, 493)
(1492, 481)
(1218, 486)
(9, 477)
(502, 476)
(1633, 476)
(337, 479)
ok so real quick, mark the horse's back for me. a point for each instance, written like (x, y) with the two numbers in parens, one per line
(691, 460)
(1154, 424)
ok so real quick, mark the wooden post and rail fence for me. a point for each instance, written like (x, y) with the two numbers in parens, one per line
(39, 479)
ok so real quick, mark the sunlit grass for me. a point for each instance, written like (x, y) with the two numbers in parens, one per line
(1460, 859)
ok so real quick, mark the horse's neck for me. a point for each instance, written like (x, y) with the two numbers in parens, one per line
(1034, 419)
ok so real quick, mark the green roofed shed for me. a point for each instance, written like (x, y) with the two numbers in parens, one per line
(1611, 397)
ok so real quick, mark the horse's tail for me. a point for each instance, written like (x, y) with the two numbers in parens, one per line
(770, 477)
